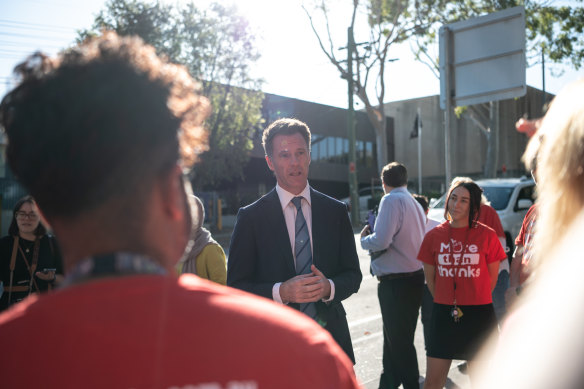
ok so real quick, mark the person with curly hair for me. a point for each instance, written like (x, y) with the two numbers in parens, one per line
(102, 137)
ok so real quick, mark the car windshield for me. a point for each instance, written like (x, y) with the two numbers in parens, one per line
(498, 196)
(367, 191)
(440, 202)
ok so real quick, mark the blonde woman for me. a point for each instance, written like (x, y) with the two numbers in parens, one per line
(541, 344)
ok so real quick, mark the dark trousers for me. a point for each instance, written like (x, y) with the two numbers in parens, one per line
(400, 300)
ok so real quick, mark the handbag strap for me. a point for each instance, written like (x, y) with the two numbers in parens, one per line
(32, 267)
(12, 265)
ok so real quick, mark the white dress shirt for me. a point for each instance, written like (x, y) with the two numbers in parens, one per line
(289, 210)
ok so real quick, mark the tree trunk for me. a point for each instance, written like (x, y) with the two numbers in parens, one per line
(378, 121)
(381, 140)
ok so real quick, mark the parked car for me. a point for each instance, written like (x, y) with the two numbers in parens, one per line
(369, 197)
(511, 198)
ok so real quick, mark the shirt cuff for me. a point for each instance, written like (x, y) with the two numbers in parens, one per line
(276, 293)
(332, 296)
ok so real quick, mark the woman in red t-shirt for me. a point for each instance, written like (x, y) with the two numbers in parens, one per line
(461, 261)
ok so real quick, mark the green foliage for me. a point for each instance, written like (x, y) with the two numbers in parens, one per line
(460, 110)
(218, 48)
(399, 19)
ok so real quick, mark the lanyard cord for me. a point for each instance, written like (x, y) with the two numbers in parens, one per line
(31, 268)
(455, 266)
(108, 265)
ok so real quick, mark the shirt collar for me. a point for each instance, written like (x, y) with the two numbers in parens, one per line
(285, 196)
(400, 189)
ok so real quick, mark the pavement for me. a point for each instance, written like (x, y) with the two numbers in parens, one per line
(364, 316)
(366, 327)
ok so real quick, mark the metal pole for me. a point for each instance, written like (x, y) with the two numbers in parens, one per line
(447, 109)
(419, 151)
(353, 186)
(542, 79)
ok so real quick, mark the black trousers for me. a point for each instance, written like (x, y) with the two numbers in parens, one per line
(400, 300)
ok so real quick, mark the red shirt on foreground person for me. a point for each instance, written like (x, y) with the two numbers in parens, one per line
(134, 329)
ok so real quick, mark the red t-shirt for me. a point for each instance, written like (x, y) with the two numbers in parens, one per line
(490, 218)
(527, 228)
(473, 283)
(151, 331)
(525, 239)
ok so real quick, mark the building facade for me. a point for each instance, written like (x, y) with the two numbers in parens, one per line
(468, 143)
(329, 149)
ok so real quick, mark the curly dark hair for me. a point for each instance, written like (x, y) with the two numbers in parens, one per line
(103, 119)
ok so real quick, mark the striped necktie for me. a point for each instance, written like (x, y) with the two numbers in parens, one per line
(302, 251)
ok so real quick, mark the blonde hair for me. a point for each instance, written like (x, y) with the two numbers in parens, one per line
(558, 150)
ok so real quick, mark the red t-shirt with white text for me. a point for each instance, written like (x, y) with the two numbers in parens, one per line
(442, 247)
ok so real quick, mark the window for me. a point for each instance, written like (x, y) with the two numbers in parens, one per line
(368, 154)
(314, 149)
(331, 149)
(322, 149)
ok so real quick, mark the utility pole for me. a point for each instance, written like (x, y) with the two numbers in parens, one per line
(419, 112)
(542, 79)
(353, 186)
(445, 61)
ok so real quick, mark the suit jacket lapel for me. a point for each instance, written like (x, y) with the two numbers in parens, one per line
(318, 226)
(277, 230)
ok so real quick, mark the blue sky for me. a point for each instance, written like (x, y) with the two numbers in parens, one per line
(292, 63)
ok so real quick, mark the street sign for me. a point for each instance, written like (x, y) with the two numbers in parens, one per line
(483, 59)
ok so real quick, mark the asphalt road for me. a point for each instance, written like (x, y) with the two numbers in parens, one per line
(365, 324)
(364, 318)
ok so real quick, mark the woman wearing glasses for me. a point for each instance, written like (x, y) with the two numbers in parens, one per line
(30, 261)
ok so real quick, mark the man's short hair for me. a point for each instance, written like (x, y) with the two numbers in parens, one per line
(102, 120)
(422, 200)
(394, 174)
(285, 126)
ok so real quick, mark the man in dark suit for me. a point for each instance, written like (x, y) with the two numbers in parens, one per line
(274, 236)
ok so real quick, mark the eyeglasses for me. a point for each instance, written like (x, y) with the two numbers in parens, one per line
(23, 215)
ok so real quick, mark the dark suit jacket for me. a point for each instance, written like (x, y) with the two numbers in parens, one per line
(260, 255)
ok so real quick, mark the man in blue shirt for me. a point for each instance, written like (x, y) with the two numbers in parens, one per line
(399, 229)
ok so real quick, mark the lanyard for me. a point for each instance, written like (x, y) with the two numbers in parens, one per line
(32, 267)
(456, 311)
(118, 264)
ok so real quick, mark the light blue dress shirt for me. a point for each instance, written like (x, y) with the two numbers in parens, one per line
(399, 228)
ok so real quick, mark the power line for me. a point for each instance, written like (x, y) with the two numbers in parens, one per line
(37, 37)
(36, 26)
(6, 56)
(31, 45)
(8, 51)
